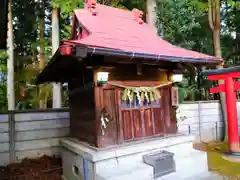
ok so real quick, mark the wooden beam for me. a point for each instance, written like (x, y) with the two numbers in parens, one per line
(101, 67)
(220, 88)
(139, 69)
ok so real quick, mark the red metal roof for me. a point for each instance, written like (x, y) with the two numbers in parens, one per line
(118, 29)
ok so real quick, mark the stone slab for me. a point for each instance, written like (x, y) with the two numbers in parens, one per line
(193, 168)
(140, 172)
(95, 155)
(122, 162)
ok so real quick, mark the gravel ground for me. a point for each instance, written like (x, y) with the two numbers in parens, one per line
(44, 168)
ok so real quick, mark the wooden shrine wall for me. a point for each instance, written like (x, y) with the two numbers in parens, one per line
(82, 108)
(134, 123)
(129, 73)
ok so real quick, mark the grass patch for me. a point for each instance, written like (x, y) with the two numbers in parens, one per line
(216, 163)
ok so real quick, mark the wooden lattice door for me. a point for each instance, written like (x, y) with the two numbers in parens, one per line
(153, 119)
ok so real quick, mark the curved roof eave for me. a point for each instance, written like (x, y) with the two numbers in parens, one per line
(157, 57)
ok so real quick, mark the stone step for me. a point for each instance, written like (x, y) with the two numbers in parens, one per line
(188, 168)
(139, 172)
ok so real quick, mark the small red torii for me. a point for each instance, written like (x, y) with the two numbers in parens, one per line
(229, 86)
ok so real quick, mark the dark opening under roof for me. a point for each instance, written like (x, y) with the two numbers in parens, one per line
(60, 69)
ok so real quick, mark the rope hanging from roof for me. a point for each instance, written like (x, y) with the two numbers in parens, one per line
(149, 93)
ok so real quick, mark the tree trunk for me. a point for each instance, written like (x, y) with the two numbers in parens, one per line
(42, 103)
(151, 13)
(57, 96)
(218, 53)
(237, 40)
(215, 24)
(41, 49)
(10, 62)
(217, 43)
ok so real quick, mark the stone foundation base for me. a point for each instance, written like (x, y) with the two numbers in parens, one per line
(120, 163)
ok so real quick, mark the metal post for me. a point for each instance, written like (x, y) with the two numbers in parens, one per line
(216, 126)
(11, 122)
(199, 121)
(85, 169)
(189, 129)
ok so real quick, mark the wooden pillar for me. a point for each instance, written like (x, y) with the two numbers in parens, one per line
(57, 94)
(232, 115)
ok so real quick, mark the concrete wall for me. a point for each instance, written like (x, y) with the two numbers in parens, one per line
(32, 134)
(203, 119)
(195, 113)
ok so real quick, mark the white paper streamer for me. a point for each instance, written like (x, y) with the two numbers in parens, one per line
(104, 122)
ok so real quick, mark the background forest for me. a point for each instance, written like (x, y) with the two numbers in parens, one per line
(187, 23)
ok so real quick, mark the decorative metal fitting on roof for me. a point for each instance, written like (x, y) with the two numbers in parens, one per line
(138, 15)
(91, 6)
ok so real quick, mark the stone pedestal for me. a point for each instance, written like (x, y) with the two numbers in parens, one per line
(124, 162)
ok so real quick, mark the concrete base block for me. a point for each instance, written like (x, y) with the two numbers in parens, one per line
(63, 177)
(124, 162)
(140, 172)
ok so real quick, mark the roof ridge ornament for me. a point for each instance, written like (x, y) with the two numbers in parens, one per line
(138, 15)
(91, 6)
